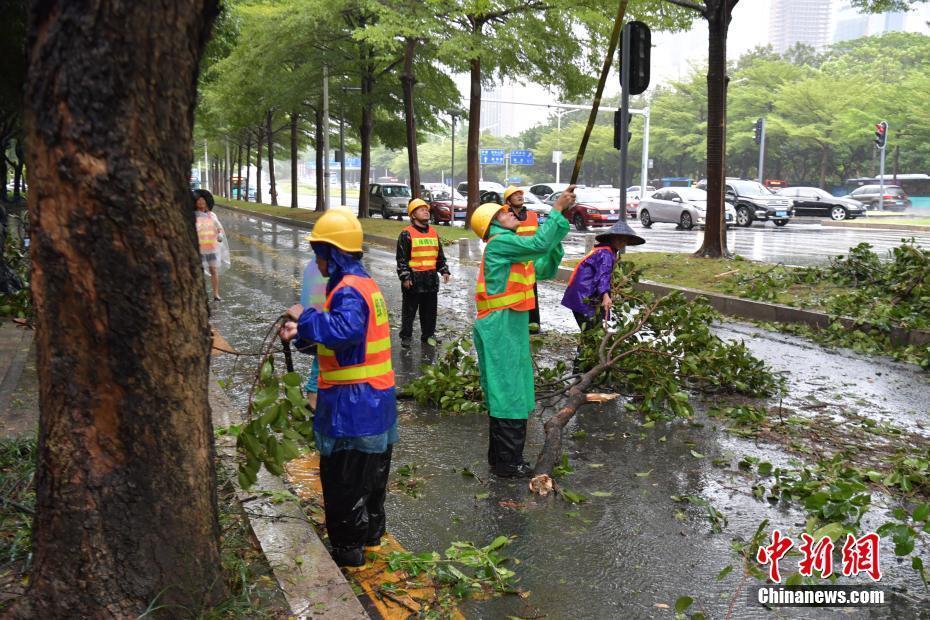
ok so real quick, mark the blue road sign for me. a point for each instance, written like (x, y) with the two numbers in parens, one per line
(521, 158)
(492, 156)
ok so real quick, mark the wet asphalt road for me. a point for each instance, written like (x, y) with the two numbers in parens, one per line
(630, 547)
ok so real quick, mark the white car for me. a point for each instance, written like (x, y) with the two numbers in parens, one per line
(684, 206)
(533, 203)
(544, 190)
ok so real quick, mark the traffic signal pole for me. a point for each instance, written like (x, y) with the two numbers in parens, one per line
(761, 149)
(881, 141)
(624, 113)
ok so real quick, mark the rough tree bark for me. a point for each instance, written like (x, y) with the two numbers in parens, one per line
(364, 130)
(294, 119)
(408, 80)
(272, 186)
(474, 136)
(717, 14)
(126, 508)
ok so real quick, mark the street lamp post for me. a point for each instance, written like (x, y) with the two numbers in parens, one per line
(453, 114)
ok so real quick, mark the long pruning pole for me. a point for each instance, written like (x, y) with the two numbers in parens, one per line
(614, 37)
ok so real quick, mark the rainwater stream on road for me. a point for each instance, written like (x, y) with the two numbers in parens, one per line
(630, 548)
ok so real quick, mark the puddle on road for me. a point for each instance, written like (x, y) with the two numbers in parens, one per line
(627, 549)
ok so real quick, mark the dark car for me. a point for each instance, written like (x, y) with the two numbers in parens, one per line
(753, 201)
(592, 208)
(816, 202)
(389, 199)
(443, 209)
(894, 198)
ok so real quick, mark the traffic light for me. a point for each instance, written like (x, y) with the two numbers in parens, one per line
(640, 48)
(618, 130)
(881, 134)
(758, 135)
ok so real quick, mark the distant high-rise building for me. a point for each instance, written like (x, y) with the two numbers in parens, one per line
(799, 21)
(851, 24)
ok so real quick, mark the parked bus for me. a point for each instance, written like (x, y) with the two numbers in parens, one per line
(916, 186)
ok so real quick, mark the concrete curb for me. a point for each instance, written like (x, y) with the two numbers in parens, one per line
(15, 342)
(878, 226)
(764, 311)
(311, 582)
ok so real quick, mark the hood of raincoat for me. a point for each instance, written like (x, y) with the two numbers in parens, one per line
(338, 263)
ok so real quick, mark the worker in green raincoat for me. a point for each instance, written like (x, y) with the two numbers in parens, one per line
(504, 295)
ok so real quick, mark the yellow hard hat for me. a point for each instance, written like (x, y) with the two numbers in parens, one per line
(481, 218)
(414, 204)
(511, 191)
(338, 227)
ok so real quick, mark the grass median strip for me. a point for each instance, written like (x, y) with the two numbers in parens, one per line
(371, 225)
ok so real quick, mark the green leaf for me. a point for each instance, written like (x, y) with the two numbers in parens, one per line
(904, 547)
(497, 543)
(643, 474)
(482, 495)
(921, 512)
(602, 494)
(683, 603)
(696, 454)
(834, 530)
(293, 379)
(723, 573)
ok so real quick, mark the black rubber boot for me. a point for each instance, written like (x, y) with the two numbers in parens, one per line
(507, 439)
(348, 556)
(375, 503)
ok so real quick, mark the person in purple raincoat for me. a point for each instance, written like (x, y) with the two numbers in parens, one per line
(588, 292)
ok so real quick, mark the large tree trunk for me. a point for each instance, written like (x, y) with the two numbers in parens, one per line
(715, 231)
(364, 130)
(407, 80)
(320, 197)
(294, 119)
(126, 509)
(272, 188)
(474, 134)
(248, 163)
(259, 140)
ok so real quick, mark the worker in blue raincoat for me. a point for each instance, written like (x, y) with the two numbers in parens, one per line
(355, 425)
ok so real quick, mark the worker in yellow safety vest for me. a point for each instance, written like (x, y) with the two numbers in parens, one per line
(528, 225)
(420, 261)
(504, 296)
(355, 425)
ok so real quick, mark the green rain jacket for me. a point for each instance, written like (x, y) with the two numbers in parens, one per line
(502, 337)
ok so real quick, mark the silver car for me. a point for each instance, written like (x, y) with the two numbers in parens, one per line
(389, 199)
(684, 206)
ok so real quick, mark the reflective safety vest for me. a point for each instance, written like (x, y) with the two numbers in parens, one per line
(207, 233)
(571, 278)
(375, 369)
(424, 249)
(518, 295)
(528, 227)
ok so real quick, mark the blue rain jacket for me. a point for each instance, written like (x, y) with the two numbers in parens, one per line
(358, 412)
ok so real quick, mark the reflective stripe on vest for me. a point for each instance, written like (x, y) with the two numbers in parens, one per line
(424, 249)
(518, 295)
(528, 227)
(376, 369)
(586, 257)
